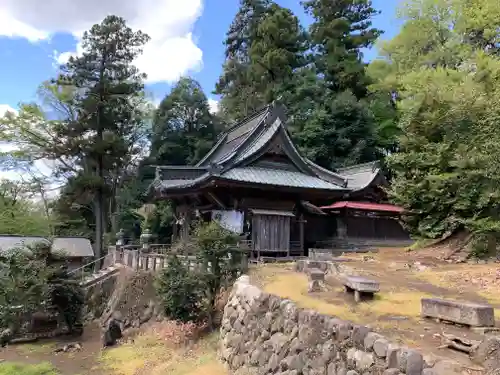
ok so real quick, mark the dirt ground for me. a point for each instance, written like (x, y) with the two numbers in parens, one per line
(405, 277)
(147, 355)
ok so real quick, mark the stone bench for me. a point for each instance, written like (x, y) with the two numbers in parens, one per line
(466, 313)
(361, 286)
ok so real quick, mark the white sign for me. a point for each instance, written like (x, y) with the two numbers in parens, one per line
(230, 220)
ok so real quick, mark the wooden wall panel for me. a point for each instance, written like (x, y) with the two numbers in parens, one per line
(271, 232)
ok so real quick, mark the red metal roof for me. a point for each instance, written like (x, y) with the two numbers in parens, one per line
(365, 206)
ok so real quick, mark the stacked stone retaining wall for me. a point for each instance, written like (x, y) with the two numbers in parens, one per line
(271, 335)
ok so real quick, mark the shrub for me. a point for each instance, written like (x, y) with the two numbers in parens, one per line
(216, 251)
(192, 295)
(180, 291)
(29, 281)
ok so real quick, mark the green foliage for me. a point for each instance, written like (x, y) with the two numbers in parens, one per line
(446, 172)
(23, 285)
(184, 130)
(216, 247)
(180, 291)
(10, 368)
(338, 33)
(30, 280)
(20, 215)
(189, 295)
(265, 45)
(340, 133)
(108, 135)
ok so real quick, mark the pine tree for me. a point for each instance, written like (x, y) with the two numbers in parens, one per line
(109, 96)
(341, 28)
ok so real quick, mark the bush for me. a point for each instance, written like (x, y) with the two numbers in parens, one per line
(191, 295)
(29, 282)
(180, 291)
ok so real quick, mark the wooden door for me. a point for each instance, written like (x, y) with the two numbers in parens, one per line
(271, 232)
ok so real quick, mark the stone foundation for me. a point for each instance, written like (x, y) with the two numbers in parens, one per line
(266, 334)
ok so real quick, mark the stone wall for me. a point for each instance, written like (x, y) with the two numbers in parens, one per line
(271, 335)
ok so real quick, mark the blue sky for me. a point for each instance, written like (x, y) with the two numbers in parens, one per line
(187, 39)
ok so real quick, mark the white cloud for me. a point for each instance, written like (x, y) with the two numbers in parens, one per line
(4, 108)
(214, 105)
(171, 53)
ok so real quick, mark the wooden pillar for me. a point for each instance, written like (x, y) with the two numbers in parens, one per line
(302, 234)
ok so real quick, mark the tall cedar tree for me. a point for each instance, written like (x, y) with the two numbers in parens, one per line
(341, 28)
(276, 53)
(265, 46)
(333, 127)
(109, 88)
(184, 130)
(239, 97)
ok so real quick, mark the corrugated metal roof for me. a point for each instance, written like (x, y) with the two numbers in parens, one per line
(12, 242)
(278, 178)
(365, 206)
(73, 246)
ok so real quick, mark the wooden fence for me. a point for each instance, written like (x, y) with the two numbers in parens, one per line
(145, 260)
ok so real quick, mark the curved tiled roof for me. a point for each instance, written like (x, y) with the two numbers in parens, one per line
(234, 157)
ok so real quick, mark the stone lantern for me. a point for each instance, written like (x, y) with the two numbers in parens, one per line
(120, 237)
(146, 238)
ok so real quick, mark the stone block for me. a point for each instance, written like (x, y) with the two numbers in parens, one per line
(362, 284)
(414, 363)
(471, 314)
(316, 274)
(314, 286)
(391, 359)
(380, 347)
(370, 340)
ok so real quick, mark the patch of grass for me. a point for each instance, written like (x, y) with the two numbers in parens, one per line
(9, 368)
(148, 355)
(402, 302)
(294, 286)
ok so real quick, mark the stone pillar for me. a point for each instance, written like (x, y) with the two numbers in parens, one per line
(120, 241)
